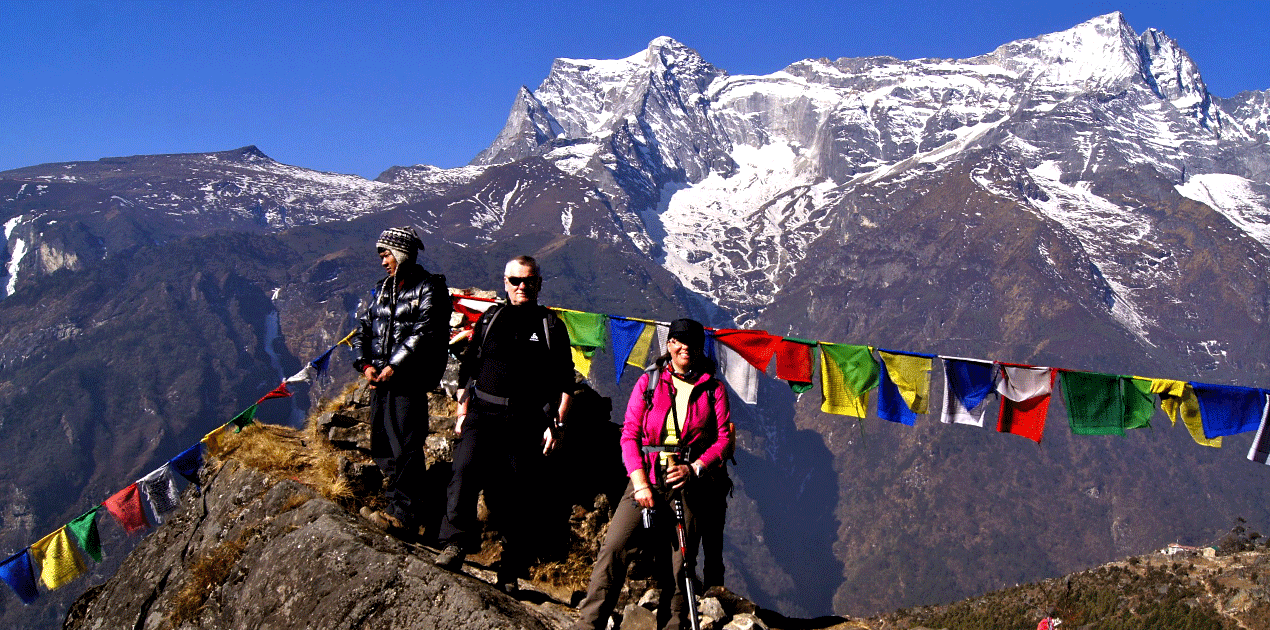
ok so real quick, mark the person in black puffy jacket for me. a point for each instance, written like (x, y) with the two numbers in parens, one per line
(401, 351)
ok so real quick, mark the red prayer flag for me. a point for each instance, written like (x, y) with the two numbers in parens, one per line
(125, 506)
(755, 346)
(280, 391)
(1026, 417)
(470, 315)
(793, 360)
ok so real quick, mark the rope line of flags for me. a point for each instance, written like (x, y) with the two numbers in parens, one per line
(1097, 404)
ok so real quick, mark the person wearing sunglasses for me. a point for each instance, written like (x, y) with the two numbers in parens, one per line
(516, 382)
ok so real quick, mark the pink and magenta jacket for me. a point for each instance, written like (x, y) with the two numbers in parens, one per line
(705, 434)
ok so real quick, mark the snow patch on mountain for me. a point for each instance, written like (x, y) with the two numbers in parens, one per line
(1104, 229)
(573, 159)
(19, 250)
(736, 238)
(1242, 202)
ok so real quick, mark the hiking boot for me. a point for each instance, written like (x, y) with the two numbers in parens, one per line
(450, 558)
(382, 520)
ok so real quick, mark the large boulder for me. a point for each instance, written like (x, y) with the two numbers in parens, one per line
(255, 551)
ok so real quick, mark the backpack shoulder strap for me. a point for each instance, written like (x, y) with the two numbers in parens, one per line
(490, 316)
(548, 319)
(654, 375)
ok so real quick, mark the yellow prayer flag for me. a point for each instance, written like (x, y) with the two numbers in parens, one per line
(59, 560)
(581, 362)
(1179, 396)
(839, 398)
(212, 440)
(639, 353)
(911, 375)
(347, 340)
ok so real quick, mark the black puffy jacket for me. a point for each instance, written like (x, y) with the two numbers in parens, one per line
(407, 326)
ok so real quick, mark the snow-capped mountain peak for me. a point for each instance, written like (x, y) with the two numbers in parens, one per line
(680, 147)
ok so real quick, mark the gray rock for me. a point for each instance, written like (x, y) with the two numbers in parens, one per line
(636, 617)
(713, 607)
(273, 554)
(745, 621)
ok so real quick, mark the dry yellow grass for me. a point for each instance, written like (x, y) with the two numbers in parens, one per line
(304, 455)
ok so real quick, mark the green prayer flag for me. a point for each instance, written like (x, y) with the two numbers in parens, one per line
(1095, 404)
(84, 529)
(849, 373)
(586, 330)
(245, 418)
(1139, 402)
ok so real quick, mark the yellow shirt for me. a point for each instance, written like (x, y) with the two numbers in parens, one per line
(683, 391)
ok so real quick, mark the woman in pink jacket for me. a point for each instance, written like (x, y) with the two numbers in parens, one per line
(675, 432)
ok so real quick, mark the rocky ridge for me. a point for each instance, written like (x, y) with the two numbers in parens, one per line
(269, 539)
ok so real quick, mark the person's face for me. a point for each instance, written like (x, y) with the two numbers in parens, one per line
(521, 283)
(388, 261)
(680, 354)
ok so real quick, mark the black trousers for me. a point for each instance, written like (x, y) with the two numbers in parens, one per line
(499, 452)
(398, 428)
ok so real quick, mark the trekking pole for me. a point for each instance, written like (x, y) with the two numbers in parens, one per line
(687, 567)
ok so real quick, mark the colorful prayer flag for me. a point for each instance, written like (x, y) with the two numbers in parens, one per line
(58, 558)
(471, 310)
(244, 418)
(1228, 409)
(738, 373)
(188, 462)
(585, 329)
(125, 506)
(847, 374)
(84, 529)
(794, 360)
(1139, 404)
(638, 356)
(323, 362)
(1178, 397)
(625, 334)
(160, 491)
(1025, 400)
(904, 390)
(581, 360)
(1095, 403)
(1260, 449)
(348, 339)
(755, 346)
(212, 440)
(280, 391)
(17, 573)
(967, 384)
(305, 375)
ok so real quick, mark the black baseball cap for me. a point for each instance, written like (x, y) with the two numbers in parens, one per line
(688, 331)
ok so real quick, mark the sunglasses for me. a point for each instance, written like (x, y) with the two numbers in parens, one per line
(516, 281)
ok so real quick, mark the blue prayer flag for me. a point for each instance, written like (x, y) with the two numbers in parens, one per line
(623, 333)
(1229, 409)
(16, 571)
(188, 462)
(970, 381)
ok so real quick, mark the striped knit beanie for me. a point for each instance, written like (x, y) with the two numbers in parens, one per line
(402, 242)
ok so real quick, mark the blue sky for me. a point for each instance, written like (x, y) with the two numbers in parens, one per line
(357, 87)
